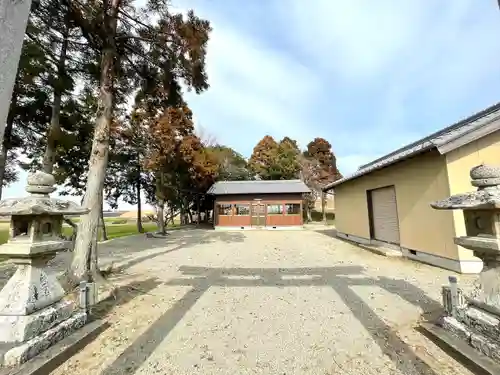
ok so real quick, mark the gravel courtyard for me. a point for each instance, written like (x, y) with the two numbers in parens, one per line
(263, 302)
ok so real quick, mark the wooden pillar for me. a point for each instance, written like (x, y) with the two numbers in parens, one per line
(214, 213)
(302, 211)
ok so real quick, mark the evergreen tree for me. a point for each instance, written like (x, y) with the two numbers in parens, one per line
(232, 166)
(149, 47)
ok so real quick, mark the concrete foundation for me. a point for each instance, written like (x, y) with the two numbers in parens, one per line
(228, 228)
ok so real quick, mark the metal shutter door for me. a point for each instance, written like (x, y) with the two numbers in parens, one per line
(385, 215)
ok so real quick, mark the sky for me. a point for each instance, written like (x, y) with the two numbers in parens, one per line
(368, 76)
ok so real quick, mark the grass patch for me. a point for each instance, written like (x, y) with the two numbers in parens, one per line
(124, 230)
(107, 220)
(113, 231)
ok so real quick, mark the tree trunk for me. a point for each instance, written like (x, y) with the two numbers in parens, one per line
(102, 223)
(186, 212)
(323, 196)
(3, 161)
(161, 216)
(87, 228)
(308, 211)
(172, 215)
(94, 264)
(182, 212)
(140, 228)
(189, 214)
(54, 133)
(198, 213)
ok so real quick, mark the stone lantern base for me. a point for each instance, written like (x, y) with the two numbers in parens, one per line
(33, 315)
(470, 328)
(33, 312)
(47, 326)
(471, 324)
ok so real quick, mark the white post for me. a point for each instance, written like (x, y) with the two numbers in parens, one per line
(13, 19)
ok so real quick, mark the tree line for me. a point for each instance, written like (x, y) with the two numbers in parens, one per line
(99, 102)
(283, 160)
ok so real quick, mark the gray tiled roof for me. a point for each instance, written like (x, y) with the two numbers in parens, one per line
(432, 141)
(258, 187)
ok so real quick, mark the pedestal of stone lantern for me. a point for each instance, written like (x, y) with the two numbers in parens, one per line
(33, 314)
(474, 319)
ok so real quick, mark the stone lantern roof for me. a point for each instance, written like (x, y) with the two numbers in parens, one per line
(40, 185)
(487, 197)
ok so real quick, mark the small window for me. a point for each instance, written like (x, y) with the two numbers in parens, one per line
(46, 228)
(292, 209)
(242, 209)
(274, 209)
(225, 209)
(21, 227)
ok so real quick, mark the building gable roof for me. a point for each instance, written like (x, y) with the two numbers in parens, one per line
(258, 187)
(445, 140)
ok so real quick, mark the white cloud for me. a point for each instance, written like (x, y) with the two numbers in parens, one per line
(255, 89)
(356, 39)
(405, 68)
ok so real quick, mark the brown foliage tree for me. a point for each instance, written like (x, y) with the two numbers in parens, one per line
(321, 150)
(263, 157)
(310, 172)
(166, 136)
(183, 165)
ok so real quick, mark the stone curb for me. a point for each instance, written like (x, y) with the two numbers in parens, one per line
(476, 362)
(381, 250)
(53, 357)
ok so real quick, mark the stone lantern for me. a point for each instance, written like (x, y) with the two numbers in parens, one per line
(33, 314)
(475, 318)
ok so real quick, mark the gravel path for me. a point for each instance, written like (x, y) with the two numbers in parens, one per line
(287, 302)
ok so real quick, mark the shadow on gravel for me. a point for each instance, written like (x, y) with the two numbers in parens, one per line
(124, 294)
(126, 252)
(185, 240)
(200, 279)
(329, 232)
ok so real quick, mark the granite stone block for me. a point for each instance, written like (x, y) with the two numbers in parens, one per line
(29, 349)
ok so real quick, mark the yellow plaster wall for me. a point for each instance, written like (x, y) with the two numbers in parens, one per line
(418, 181)
(459, 162)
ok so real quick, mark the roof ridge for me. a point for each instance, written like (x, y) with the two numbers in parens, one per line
(258, 187)
(456, 125)
(260, 181)
(433, 141)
